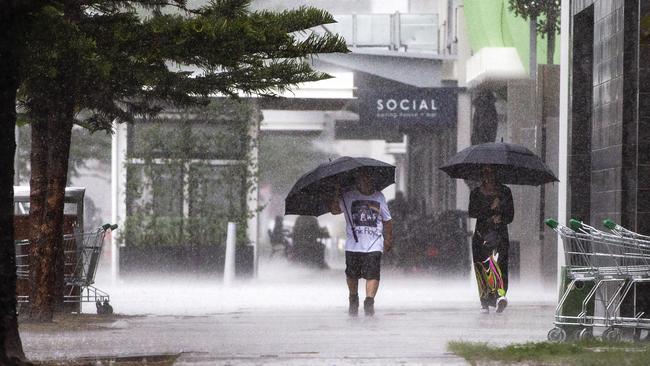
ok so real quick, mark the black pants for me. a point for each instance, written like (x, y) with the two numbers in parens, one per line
(480, 253)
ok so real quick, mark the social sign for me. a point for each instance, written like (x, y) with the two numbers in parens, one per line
(409, 107)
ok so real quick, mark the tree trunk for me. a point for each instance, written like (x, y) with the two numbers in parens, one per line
(60, 136)
(50, 152)
(552, 14)
(11, 349)
(533, 48)
(60, 131)
(41, 303)
(550, 48)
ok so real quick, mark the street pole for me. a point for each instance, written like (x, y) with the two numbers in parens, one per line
(565, 31)
(114, 200)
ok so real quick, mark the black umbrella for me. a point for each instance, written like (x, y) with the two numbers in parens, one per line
(312, 193)
(513, 164)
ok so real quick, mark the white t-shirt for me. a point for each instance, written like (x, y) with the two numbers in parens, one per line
(368, 214)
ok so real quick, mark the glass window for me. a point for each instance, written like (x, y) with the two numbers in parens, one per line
(216, 190)
(155, 189)
(188, 140)
(419, 31)
(373, 30)
(218, 140)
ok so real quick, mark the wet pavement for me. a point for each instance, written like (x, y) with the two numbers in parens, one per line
(302, 321)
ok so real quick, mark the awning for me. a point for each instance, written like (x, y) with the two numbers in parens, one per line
(494, 64)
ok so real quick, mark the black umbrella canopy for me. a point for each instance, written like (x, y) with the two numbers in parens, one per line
(312, 191)
(513, 164)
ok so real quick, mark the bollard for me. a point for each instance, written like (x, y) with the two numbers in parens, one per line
(229, 266)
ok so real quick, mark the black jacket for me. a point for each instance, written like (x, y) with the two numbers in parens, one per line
(479, 208)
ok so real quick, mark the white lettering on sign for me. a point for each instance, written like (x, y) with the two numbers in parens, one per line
(407, 104)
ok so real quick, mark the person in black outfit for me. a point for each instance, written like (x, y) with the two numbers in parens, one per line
(307, 245)
(279, 236)
(491, 205)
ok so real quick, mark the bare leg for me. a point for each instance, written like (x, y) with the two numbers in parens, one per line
(353, 285)
(369, 302)
(371, 288)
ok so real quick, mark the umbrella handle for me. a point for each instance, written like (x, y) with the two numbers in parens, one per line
(373, 243)
(354, 233)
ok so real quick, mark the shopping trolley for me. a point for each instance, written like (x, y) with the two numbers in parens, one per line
(82, 251)
(601, 268)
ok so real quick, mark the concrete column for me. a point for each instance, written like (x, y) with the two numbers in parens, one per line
(404, 180)
(229, 265)
(398, 152)
(16, 170)
(549, 87)
(463, 140)
(253, 193)
(523, 128)
(400, 165)
(118, 191)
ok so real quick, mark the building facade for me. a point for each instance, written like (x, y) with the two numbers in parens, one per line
(609, 113)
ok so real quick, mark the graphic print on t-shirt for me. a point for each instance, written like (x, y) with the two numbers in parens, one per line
(365, 213)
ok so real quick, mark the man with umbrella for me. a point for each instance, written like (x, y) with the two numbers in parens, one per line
(369, 232)
(352, 186)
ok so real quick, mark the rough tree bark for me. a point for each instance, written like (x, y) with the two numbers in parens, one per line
(550, 42)
(49, 159)
(550, 52)
(52, 144)
(41, 251)
(60, 136)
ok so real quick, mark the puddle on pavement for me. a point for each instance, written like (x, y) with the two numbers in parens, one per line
(155, 360)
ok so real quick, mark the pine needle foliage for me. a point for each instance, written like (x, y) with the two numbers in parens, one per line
(124, 64)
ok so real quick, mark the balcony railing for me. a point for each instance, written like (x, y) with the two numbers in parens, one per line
(396, 32)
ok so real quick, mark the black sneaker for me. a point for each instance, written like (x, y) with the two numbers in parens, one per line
(353, 309)
(502, 302)
(369, 306)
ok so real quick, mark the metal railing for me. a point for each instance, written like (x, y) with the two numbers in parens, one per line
(396, 32)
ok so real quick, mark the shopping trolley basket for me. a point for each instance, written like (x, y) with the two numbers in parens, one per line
(633, 307)
(608, 265)
(82, 251)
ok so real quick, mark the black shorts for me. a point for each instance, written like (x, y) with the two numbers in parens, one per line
(363, 265)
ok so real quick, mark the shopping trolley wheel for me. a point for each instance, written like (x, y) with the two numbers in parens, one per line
(612, 334)
(584, 334)
(641, 334)
(557, 335)
(104, 308)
